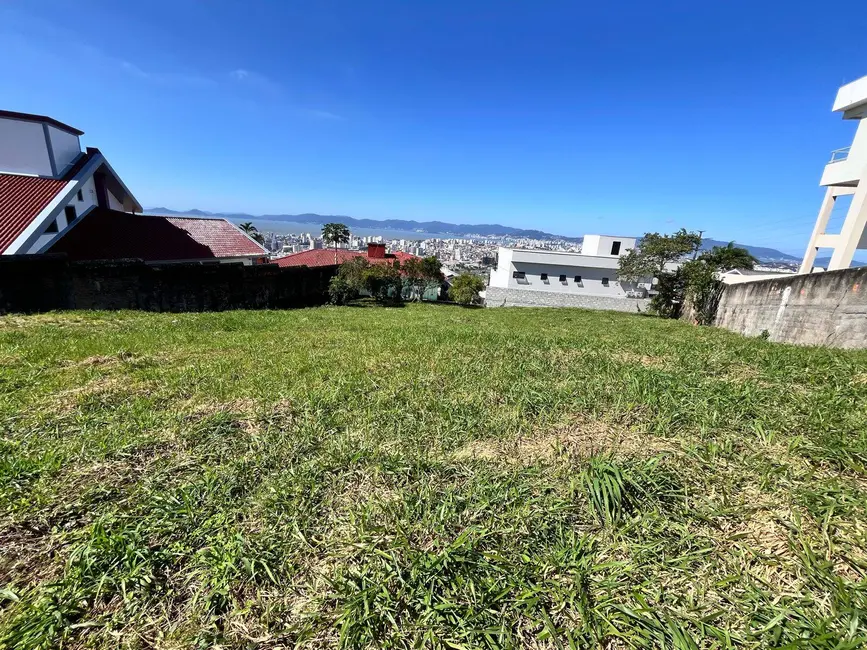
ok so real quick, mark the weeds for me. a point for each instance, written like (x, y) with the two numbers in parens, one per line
(427, 477)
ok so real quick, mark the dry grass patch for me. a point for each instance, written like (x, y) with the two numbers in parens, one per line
(581, 438)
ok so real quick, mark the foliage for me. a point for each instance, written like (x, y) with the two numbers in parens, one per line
(465, 288)
(702, 289)
(427, 477)
(728, 257)
(667, 302)
(335, 233)
(250, 230)
(421, 274)
(648, 260)
(384, 283)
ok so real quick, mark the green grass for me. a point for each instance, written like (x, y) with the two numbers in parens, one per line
(427, 477)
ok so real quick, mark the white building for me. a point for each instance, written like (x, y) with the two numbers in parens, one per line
(526, 277)
(47, 183)
(844, 175)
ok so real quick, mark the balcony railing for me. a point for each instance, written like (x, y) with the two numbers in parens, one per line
(839, 155)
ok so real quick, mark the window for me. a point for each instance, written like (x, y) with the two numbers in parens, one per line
(543, 277)
(518, 275)
(69, 210)
(563, 278)
(52, 227)
(80, 195)
(577, 279)
(615, 248)
(604, 282)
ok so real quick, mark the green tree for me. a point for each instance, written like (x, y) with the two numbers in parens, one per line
(725, 258)
(649, 259)
(251, 231)
(349, 281)
(335, 233)
(465, 288)
(384, 283)
(420, 274)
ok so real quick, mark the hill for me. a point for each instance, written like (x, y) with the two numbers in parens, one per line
(426, 477)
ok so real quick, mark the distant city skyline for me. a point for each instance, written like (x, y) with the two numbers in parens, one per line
(570, 118)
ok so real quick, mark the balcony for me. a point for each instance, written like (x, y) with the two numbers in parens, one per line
(839, 155)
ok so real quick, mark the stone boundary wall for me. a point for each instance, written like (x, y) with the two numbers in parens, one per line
(499, 297)
(36, 283)
(818, 309)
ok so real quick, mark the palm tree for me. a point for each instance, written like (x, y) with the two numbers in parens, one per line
(251, 231)
(335, 233)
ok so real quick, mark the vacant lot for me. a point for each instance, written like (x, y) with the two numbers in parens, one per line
(426, 477)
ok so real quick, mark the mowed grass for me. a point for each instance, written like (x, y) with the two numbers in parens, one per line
(426, 477)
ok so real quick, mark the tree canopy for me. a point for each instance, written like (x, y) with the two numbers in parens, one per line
(421, 273)
(728, 257)
(465, 288)
(655, 251)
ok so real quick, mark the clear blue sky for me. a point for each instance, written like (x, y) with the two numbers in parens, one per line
(571, 117)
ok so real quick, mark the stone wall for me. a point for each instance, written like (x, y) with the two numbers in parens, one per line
(500, 297)
(818, 309)
(34, 283)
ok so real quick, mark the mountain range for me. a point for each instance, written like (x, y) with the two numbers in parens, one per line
(761, 253)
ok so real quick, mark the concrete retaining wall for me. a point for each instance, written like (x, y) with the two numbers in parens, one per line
(499, 297)
(819, 309)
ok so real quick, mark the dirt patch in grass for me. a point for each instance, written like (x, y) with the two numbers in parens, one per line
(28, 555)
(580, 438)
(638, 359)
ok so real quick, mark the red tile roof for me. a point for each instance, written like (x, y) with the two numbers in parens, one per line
(109, 234)
(325, 257)
(22, 198)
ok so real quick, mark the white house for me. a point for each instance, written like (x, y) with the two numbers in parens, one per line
(525, 277)
(47, 183)
(56, 198)
(844, 175)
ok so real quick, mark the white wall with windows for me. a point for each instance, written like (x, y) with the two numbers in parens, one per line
(560, 272)
(78, 203)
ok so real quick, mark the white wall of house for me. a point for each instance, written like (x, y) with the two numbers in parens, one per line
(87, 191)
(526, 270)
(23, 149)
(113, 202)
(607, 245)
(66, 148)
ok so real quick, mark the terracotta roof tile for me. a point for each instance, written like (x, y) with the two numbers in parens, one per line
(22, 198)
(109, 234)
(325, 257)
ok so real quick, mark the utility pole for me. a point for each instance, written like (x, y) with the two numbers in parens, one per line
(697, 248)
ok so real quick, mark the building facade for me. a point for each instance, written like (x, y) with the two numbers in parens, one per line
(844, 175)
(57, 198)
(526, 277)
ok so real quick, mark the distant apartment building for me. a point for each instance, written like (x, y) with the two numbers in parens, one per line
(57, 198)
(527, 277)
(845, 175)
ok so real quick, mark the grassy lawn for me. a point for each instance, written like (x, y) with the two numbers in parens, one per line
(427, 477)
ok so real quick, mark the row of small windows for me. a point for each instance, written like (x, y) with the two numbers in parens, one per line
(522, 275)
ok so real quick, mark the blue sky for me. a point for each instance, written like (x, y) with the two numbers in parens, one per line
(571, 117)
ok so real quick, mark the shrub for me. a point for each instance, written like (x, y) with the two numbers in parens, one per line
(465, 288)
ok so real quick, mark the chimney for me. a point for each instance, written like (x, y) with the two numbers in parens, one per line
(376, 251)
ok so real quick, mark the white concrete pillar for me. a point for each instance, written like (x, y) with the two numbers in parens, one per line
(818, 230)
(853, 228)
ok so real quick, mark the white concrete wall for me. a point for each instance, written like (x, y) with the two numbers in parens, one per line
(88, 200)
(113, 202)
(535, 263)
(849, 171)
(22, 148)
(66, 148)
(600, 245)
